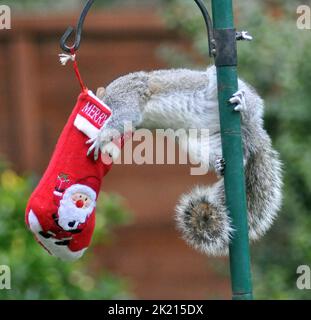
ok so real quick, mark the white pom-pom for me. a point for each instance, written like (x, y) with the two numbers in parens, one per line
(64, 58)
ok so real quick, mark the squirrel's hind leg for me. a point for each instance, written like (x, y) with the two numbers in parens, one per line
(220, 165)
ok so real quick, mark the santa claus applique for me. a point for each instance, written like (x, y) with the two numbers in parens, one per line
(76, 203)
(61, 210)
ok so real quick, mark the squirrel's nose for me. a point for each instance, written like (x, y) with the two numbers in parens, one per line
(79, 204)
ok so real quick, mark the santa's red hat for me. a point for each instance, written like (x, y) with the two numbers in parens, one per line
(90, 182)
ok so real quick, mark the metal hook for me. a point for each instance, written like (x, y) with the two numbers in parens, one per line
(76, 45)
(209, 26)
(79, 29)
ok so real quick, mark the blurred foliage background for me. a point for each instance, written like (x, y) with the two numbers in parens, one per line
(62, 5)
(37, 275)
(277, 64)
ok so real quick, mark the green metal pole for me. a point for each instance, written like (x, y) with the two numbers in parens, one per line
(233, 156)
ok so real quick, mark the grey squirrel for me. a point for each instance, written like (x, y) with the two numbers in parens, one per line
(188, 99)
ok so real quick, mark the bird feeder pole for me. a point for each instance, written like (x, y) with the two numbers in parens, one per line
(230, 123)
(222, 45)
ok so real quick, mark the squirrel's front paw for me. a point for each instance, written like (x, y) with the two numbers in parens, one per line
(112, 149)
(95, 146)
(238, 99)
(104, 142)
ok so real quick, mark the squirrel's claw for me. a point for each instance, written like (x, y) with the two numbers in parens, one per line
(238, 99)
(103, 143)
(220, 165)
(94, 147)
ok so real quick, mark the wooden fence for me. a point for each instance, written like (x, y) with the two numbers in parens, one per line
(36, 97)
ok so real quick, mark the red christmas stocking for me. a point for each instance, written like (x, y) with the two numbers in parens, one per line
(61, 210)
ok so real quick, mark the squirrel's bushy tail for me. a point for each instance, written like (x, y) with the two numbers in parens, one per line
(202, 216)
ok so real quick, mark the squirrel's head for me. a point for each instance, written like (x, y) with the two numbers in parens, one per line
(131, 88)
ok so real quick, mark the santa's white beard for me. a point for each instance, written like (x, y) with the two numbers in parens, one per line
(69, 216)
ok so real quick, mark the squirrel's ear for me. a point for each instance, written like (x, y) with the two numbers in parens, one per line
(100, 93)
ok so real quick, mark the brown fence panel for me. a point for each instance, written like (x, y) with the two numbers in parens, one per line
(36, 96)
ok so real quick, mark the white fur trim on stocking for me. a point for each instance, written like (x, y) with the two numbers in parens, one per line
(86, 127)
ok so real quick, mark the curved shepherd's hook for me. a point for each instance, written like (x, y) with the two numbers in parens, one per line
(87, 7)
(209, 27)
(79, 29)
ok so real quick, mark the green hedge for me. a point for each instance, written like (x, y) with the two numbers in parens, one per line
(36, 274)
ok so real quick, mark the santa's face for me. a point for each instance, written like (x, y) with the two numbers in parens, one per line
(77, 205)
(81, 200)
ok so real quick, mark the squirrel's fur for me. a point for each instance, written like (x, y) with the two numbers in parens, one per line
(188, 99)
